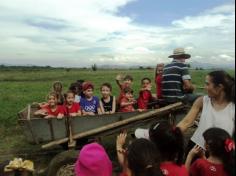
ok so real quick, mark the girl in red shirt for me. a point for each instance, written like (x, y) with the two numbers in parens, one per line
(141, 158)
(220, 148)
(170, 142)
(71, 107)
(51, 109)
(145, 95)
(158, 80)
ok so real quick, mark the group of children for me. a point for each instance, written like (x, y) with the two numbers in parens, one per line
(160, 151)
(80, 100)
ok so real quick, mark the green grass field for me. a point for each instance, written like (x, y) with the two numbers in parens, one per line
(21, 87)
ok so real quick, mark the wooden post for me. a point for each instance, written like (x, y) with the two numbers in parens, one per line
(116, 124)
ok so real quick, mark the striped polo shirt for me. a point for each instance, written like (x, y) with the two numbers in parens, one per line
(172, 81)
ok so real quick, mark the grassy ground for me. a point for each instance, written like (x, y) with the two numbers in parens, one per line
(21, 87)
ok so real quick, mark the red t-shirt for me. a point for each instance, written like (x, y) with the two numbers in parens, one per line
(172, 169)
(144, 98)
(73, 109)
(122, 94)
(202, 167)
(59, 110)
(159, 86)
(128, 108)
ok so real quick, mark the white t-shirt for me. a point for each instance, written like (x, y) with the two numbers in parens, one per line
(212, 118)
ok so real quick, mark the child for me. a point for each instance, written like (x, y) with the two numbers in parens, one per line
(127, 83)
(74, 88)
(57, 88)
(141, 157)
(158, 80)
(170, 142)
(127, 101)
(89, 104)
(71, 107)
(93, 161)
(220, 147)
(145, 95)
(52, 109)
(108, 102)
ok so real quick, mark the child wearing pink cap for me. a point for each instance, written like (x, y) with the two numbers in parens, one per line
(93, 161)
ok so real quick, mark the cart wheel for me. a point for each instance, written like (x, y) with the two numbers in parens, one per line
(63, 164)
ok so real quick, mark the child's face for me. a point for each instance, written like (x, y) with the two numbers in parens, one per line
(146, 83)
(129, 95)
(106, 91)
(58, 87)
(88, 93)
(159, 70)
(128, 82)
(52, 101)
(70, 98)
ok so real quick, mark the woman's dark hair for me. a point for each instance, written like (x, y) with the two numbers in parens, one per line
(169, 140)
(143, 158)
(106, 85)
(216, 145)
(221, 77)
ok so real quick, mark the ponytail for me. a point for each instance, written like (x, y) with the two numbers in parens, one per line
(179, 145)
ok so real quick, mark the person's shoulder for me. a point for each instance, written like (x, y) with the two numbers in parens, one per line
(95, 98)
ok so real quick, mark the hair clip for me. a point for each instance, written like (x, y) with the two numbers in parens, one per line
(149, 166)
(229, 145)
(155, 127)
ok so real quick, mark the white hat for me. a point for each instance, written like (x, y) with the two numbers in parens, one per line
(179, 52)
(141, 133)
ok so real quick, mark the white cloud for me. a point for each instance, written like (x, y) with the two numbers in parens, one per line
(79, 32)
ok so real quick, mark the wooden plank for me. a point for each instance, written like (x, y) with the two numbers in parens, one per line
(116, 124)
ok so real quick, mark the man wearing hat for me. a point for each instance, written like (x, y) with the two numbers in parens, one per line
(176, 82)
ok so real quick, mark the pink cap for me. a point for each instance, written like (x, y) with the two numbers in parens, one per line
(93, 161)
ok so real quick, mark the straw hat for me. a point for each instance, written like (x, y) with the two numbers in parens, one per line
(179, 52)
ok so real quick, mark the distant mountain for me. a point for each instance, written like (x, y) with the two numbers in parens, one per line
(212, 65)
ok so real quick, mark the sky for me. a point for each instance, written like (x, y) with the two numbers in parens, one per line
(79, 33)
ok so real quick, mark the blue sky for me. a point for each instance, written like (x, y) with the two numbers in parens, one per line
(163, 12)
(80, 33)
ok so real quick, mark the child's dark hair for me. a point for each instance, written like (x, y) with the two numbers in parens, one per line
(106, 85)
(217, 141)
(128, 90)
(143, 158)
(128, 77)
(74, 87)
(222, 77)
(69, 92)
(169, 140)
(148, 79)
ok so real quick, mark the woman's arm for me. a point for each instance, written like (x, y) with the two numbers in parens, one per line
(191, 116)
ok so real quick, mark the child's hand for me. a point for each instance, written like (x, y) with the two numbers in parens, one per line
(73, 114)
(119, 77)
(120, 141)
(196, 150)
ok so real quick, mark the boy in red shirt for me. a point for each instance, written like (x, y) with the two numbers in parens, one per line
(71, 107)
(145, 95)
(127, 101)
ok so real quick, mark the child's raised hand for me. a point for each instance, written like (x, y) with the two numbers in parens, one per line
(119, 77)
(120, 141)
